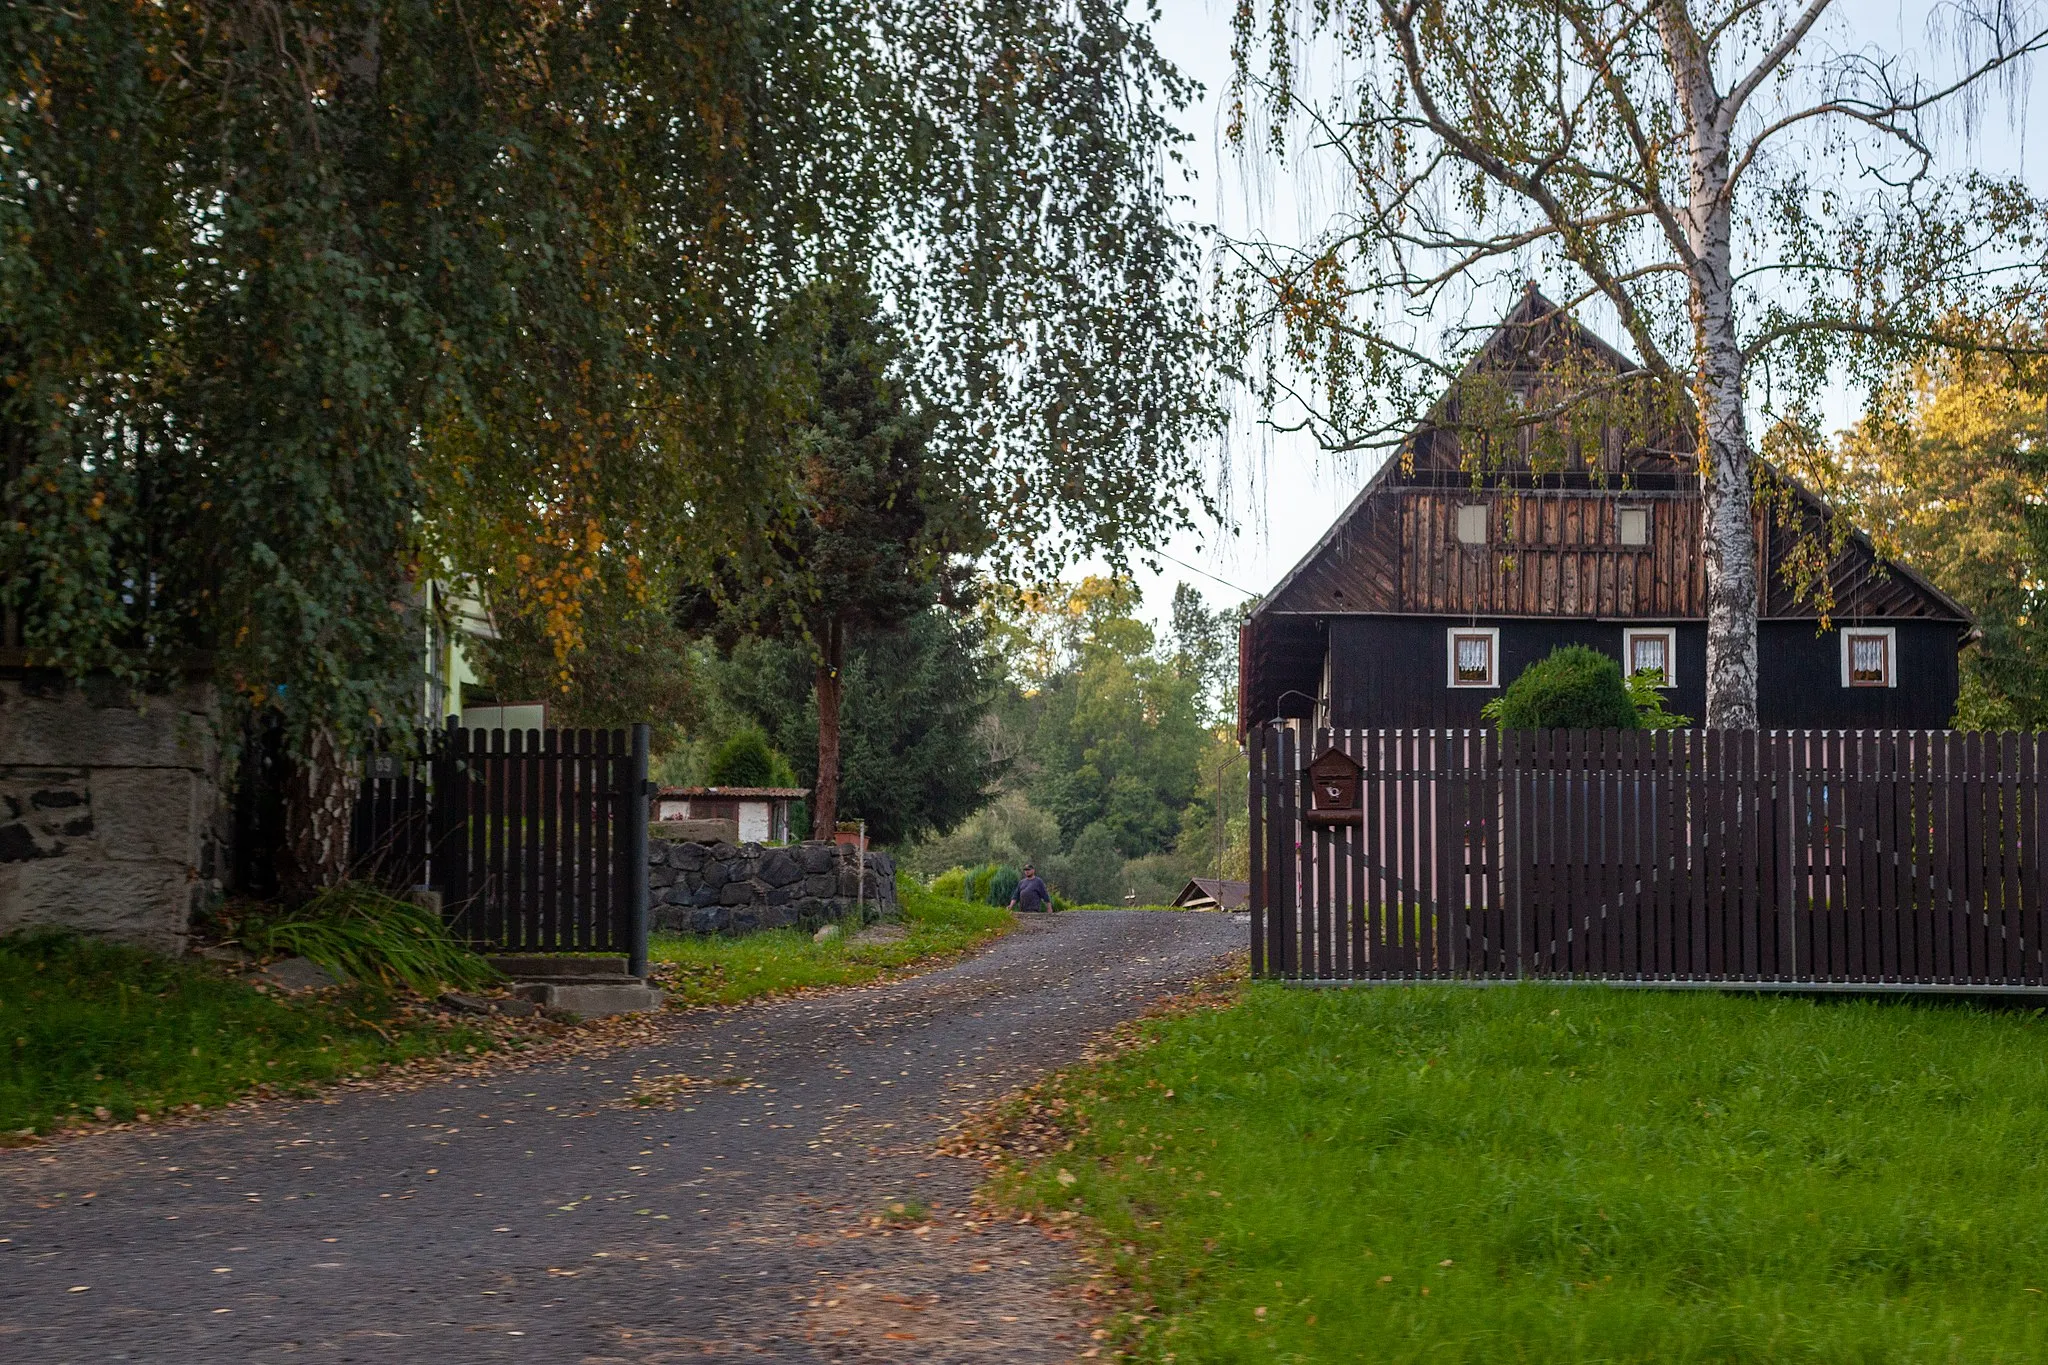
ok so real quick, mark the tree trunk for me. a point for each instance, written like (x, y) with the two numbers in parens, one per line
(1727, 531)
(320, 802)
(825, 793)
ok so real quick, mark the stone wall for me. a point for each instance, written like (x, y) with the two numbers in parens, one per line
(109, 808)
(735, 889)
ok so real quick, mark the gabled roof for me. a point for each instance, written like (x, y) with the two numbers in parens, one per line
(1223, 895)
(1552, 547)
(1537, 339)
(734, 793)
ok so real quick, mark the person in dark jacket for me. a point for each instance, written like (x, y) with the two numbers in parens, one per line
(1032, 897)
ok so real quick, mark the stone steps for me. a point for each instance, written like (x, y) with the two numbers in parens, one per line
(588, 986)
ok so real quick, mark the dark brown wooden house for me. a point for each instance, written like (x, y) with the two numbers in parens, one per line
(1451, 573)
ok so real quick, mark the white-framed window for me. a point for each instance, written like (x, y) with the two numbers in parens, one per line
(1870, 656)
(1472, 523)
(1651, 649)
(1632, 526)
(1473, 656)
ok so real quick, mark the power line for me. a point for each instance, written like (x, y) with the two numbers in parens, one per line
(1206, 574)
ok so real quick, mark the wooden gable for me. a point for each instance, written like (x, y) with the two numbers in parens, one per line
(1553, 544)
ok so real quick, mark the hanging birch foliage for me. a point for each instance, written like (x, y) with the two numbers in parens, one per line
(1753, 196)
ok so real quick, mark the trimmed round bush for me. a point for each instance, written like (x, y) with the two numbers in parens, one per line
(746, 760)
(1576, 688)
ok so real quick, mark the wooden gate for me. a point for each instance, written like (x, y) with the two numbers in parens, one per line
(1884, 858)
(536, 839)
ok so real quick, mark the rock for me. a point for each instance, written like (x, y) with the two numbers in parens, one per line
(822, 884)
(232, 954)
(516, 1009)
(295, 974)
(816, 856)
(463, 1004)
(781, 895)
(686, 857)
(779, 869)
(660, 877)
(716, 873)
(738, 893)
(829, 934)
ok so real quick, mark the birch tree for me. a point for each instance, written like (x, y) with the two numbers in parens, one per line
(1752, 195)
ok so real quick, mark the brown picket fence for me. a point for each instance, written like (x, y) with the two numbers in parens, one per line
(1784, 859)
(536, 839)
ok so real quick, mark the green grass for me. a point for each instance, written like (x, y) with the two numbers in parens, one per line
(86, 1026)
(705, 970)
(1550, 1174)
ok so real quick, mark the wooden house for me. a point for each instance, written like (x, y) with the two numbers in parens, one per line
(1450, 573)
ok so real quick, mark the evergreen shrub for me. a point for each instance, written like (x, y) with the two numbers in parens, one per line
(1576, 688)
(746, 760)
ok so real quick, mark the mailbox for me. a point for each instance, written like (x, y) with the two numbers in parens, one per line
(1333, 788)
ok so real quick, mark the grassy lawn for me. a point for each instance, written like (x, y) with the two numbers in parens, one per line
(1551, 1174)
(88, 1026)
(700, 970)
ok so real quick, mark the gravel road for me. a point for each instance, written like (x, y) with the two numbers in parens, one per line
(545, 1214)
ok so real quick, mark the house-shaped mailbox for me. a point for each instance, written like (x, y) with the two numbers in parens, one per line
(1333, 788)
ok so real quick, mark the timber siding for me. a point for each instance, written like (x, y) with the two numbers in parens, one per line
(1391, 671)
(1557, 552)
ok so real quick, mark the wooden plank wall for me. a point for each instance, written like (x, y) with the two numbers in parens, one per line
(1846, 857)
(1549, 554)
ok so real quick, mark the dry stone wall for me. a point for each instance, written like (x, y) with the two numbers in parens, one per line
(109, 808)
(723, 888)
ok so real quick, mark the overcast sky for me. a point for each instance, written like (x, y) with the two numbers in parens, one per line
(1282, 493)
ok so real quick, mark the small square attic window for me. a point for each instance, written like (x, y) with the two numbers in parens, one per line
(1473, 656)
(1633, 525)
(1472, 523)
(1870, 657)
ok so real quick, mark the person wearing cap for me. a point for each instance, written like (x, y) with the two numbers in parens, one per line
(1032, 898)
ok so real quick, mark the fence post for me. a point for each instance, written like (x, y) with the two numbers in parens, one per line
(636, 852)
(448, 848)
(1255, 871)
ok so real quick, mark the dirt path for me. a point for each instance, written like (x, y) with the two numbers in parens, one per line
(544, 1215)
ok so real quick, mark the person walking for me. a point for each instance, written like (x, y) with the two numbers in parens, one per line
(1032, 898)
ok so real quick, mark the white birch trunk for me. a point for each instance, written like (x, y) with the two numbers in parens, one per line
(1728, 537)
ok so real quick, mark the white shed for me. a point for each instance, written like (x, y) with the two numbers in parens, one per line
(762, 813)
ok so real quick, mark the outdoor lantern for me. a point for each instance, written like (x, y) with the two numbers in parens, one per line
(1333, 788)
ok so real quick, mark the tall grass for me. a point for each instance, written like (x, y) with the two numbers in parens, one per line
(988, 884)
(1546, 1174)
(363, 934)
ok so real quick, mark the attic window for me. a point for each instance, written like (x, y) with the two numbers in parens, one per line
(1870, 657)
(1472, 524)
(1473, 657)
(1633, 525)
(1652, 651)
